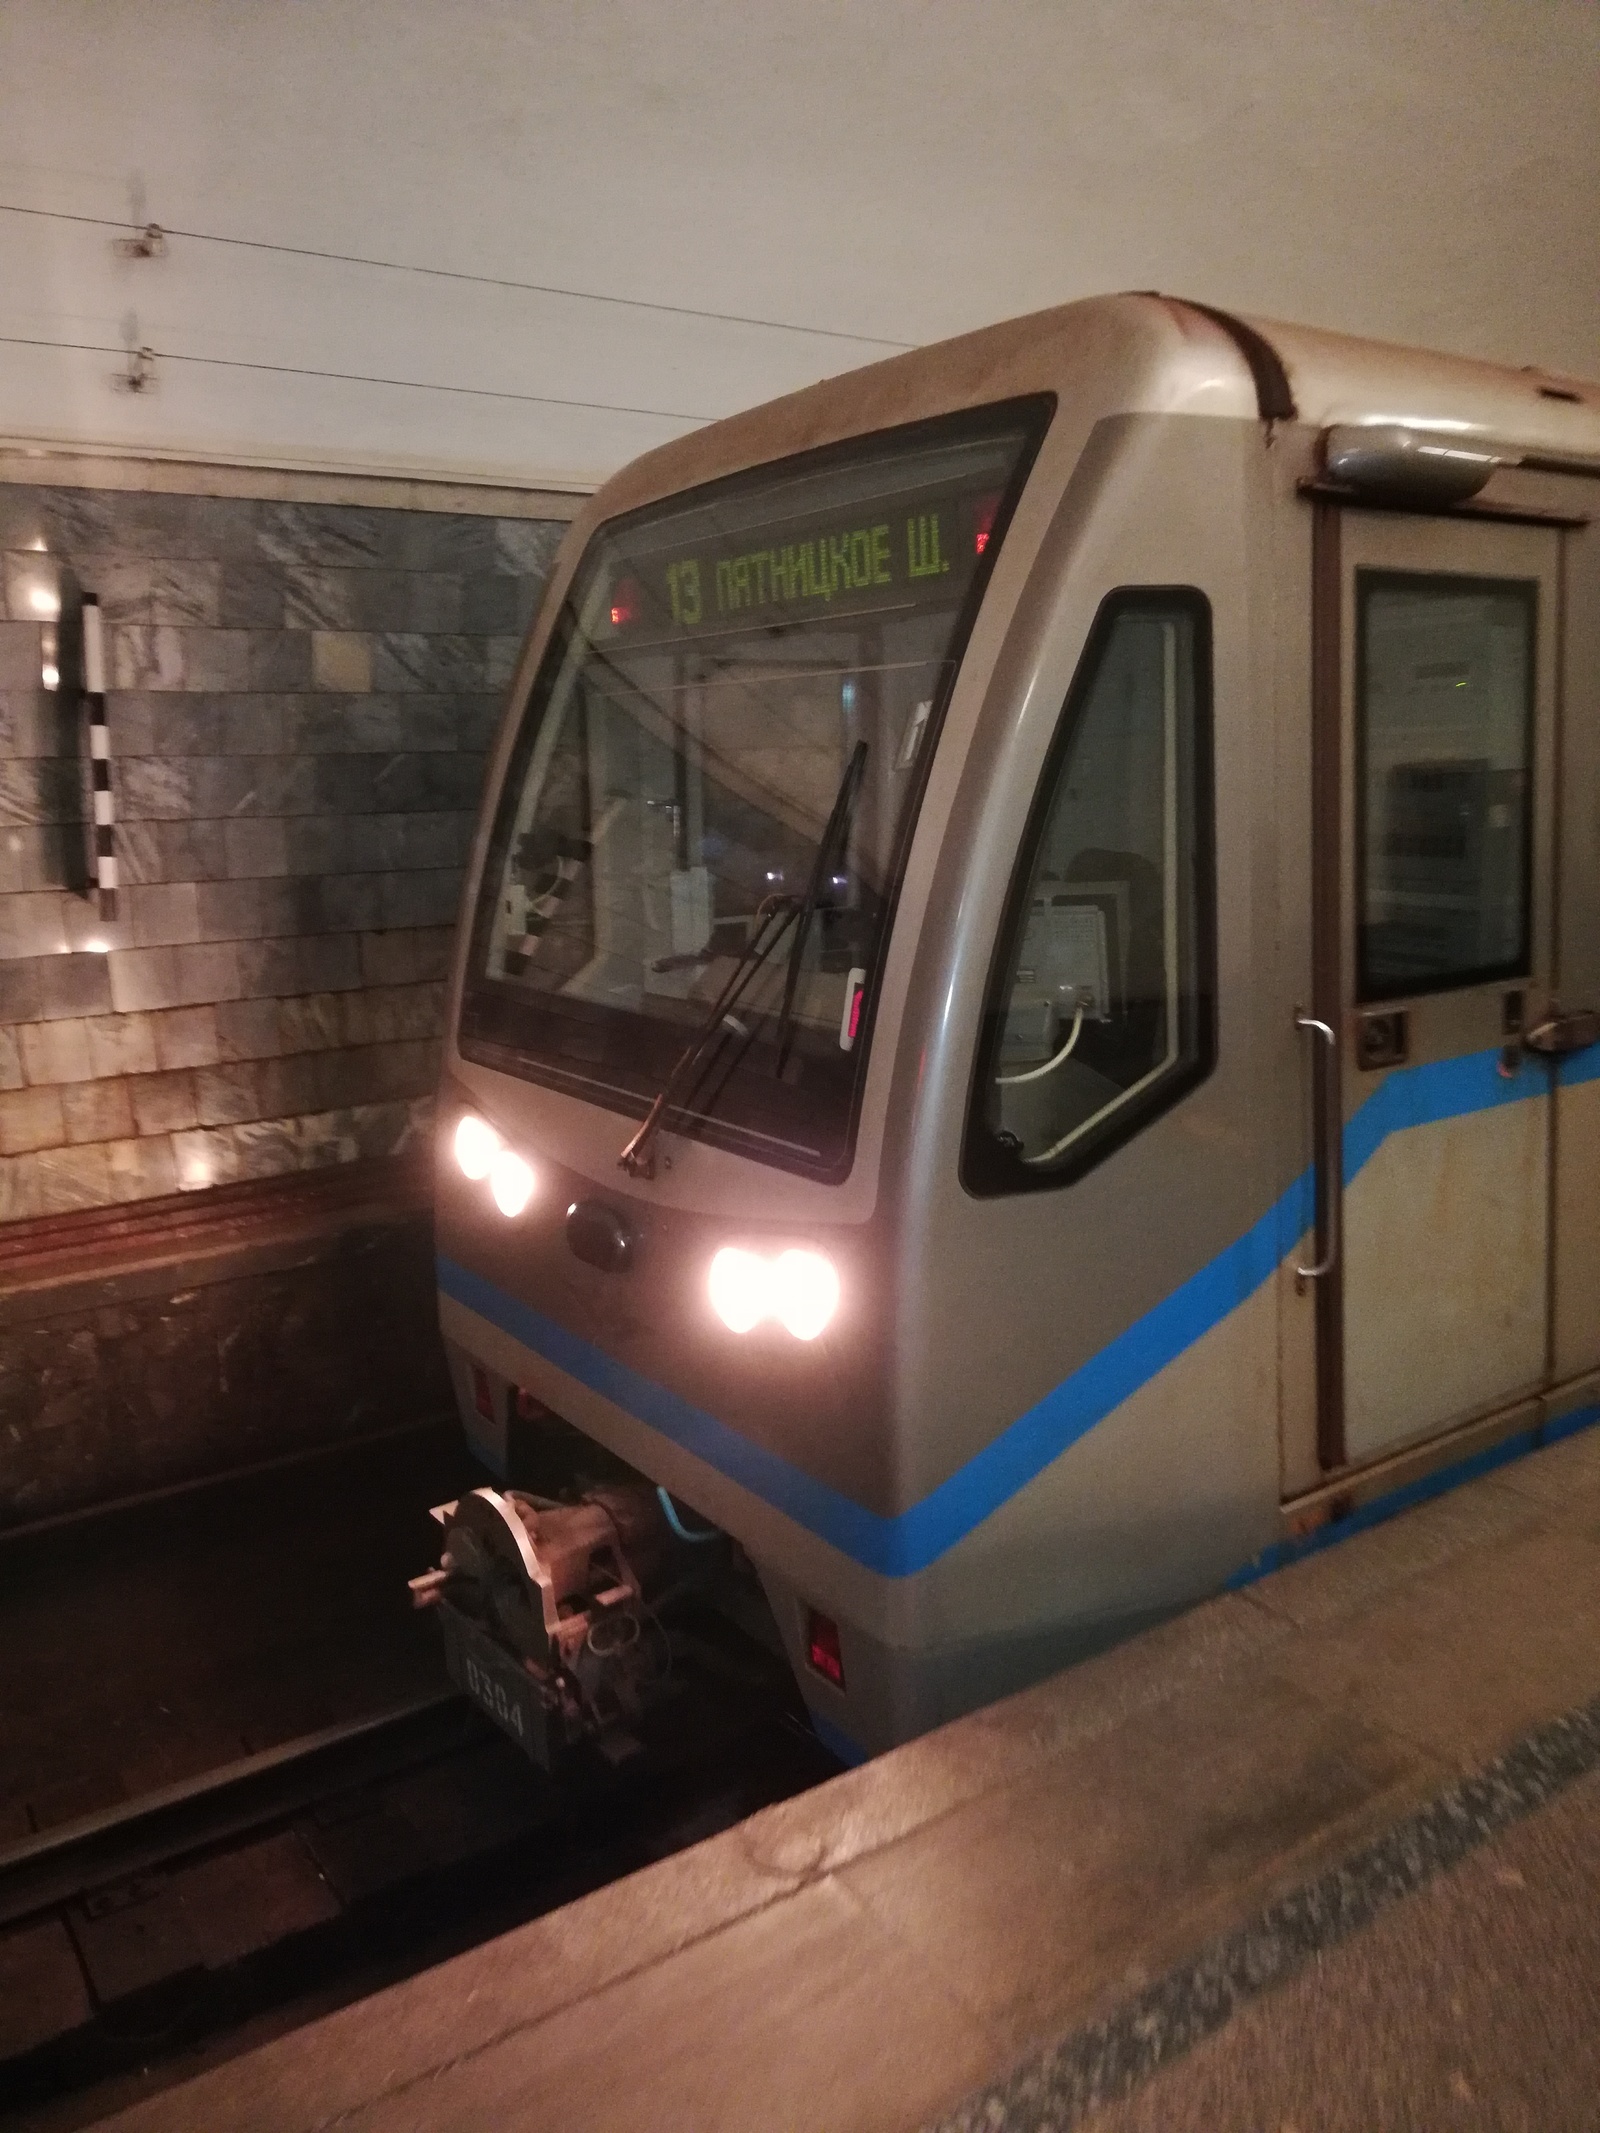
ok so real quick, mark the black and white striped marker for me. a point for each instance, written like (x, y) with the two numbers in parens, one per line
(94, 689)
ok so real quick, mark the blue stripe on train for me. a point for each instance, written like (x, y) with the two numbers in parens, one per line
(919, 1535)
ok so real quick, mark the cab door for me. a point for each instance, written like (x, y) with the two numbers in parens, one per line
(1433, 934)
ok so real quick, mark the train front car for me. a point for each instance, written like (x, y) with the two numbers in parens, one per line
(844, 895)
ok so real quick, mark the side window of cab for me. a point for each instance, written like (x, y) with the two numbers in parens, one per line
(1100, 1011)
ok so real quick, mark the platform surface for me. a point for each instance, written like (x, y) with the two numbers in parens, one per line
(1321, 1854)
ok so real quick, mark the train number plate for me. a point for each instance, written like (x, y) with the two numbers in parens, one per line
(497, 1685)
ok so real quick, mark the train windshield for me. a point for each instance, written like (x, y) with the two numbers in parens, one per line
(716, 777)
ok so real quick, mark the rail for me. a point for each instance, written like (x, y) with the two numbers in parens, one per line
(61, 1864)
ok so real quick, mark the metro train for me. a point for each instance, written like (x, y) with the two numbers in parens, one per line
(1023, 1045)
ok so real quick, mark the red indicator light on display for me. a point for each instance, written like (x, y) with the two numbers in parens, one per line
(983, 521)
(482, 1392)
(822, 1647)
(626, 601)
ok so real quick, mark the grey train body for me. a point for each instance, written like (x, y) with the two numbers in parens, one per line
(1054, 1405)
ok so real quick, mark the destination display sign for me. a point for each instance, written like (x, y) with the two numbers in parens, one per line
(918, 551)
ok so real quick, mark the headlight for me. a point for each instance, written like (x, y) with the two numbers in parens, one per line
(477, 1144)
(511, 1182)
(741, 1288)
(805, 1292)
(799, 1288)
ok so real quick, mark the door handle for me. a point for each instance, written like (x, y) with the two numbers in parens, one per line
(1560, 1034)
(1331, 1158)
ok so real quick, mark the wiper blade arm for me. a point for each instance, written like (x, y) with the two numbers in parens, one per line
(773, 919)
(836, 830)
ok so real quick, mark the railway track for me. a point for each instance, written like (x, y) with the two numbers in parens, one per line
(315, 1870)
(256, 1792)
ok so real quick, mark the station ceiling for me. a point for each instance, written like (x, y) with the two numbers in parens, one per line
(523, 240)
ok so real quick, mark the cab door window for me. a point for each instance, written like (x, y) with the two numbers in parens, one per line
(1444, 786)
(1100, 1011)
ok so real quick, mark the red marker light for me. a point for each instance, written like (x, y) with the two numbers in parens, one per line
(855, 1013)
(626, 601)
(823, 1650)
(983, 519)
(482, 1392)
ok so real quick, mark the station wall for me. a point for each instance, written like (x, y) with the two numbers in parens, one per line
(301, 697)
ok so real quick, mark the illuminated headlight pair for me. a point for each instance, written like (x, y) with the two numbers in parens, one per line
(800, 1289)
(483, 1154)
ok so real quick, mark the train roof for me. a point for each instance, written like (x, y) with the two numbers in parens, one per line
(1147, 354)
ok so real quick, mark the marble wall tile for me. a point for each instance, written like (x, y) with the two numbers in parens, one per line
(500, 660)
(489, 606)
(208, 971)
(267, 1148)
(352, 903)
(341, 661)
(163, 912)
(39, 856)
(278, 660)
(204, 1157)
(449, 541)
(256, 846)
(56, 1052)
(20, 990)
(313, 1022)
(143, 978)
(69, 1178)
(320, 599)
(20, 660)
(270, 969)
(390, 1014)
(421, 897)
(29, 1119)
(144, 656)
(164, 1103)
(38, 790)
(35, 721)
(527, 547)
(155, 789)
(256, 725)
(366, 600)
(318, 845)
(60, 985)
(19, 1197)
(335, 536)
(406, 662)
(122, 1044)
(97, 1111)
(225, 1095)
(249, 1029)
(148, 722)
(271, 906)
(290, 840)
(152, 589)
(408, 957)
(86, 932)
(250, 594)
(188, 1036)
(329, 962)
(141, 1169)
(31, 924)
(431, 602)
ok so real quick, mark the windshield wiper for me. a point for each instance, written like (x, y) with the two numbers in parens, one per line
(774, 916)
(835, 831)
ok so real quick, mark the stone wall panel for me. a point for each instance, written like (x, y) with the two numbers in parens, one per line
(302, 696)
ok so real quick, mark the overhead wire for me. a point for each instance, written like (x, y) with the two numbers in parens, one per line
(350, 377)
(487, 281)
